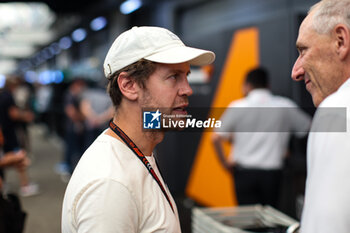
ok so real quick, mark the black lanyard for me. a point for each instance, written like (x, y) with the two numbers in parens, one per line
(139, 155)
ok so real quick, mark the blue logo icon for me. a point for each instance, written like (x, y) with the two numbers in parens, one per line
(151, 120)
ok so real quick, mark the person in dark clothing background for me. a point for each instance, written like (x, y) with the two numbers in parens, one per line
(9, 115)
(74, 127)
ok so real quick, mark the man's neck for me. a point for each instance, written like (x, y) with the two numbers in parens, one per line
(131, 124)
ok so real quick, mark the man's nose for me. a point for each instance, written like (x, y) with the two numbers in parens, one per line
(298, 71)
(185, 89)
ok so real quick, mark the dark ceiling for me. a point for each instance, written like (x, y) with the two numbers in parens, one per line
(67, 6)
(70, 6)
(82, 6)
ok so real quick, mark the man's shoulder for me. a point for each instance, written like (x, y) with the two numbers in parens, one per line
(104, 161)
(106, 147)
(282, 101)
(272, 100)
(107, 157)
(243, 102)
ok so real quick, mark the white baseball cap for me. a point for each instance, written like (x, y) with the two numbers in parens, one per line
(154, 44)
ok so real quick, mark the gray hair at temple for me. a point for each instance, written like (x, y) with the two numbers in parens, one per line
(329, 13)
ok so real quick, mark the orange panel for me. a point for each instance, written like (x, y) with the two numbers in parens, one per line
(209, 184)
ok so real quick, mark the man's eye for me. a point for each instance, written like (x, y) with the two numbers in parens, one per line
(174, 76)
(301, 50)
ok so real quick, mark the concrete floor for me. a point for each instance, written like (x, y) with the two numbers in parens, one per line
(43, 210)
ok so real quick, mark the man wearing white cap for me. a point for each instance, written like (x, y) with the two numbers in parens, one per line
(116, 186)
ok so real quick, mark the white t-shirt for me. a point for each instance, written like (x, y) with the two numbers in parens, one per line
(261, 125)
(112, 191)
(327, 198)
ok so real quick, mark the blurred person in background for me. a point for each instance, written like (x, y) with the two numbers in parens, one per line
(116, 186)
(17, 159)
(10, 114)
(43, 98)
(74, 127)
(97, 110)
(259, 130)
(23, 96)
(12, 217)
(324, 65)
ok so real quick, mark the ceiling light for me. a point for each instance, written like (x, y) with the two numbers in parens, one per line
(55, 48)
(7, 66)
(31, 36)
(79, 35)
(2, 80)
(98, 23)
(46, 53)
(30, 76)
(16, 50)
(65, 43)
(19, 15)
(24, 65)
(58, 76)
(50, 76)
(130, 6)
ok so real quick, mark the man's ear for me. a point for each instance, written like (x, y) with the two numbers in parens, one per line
(342, 37)
(128, 87)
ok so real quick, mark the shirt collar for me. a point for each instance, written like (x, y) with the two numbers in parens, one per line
(345, 85)
(259, 92)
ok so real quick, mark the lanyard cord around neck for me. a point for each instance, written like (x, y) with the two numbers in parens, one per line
(139, 155)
